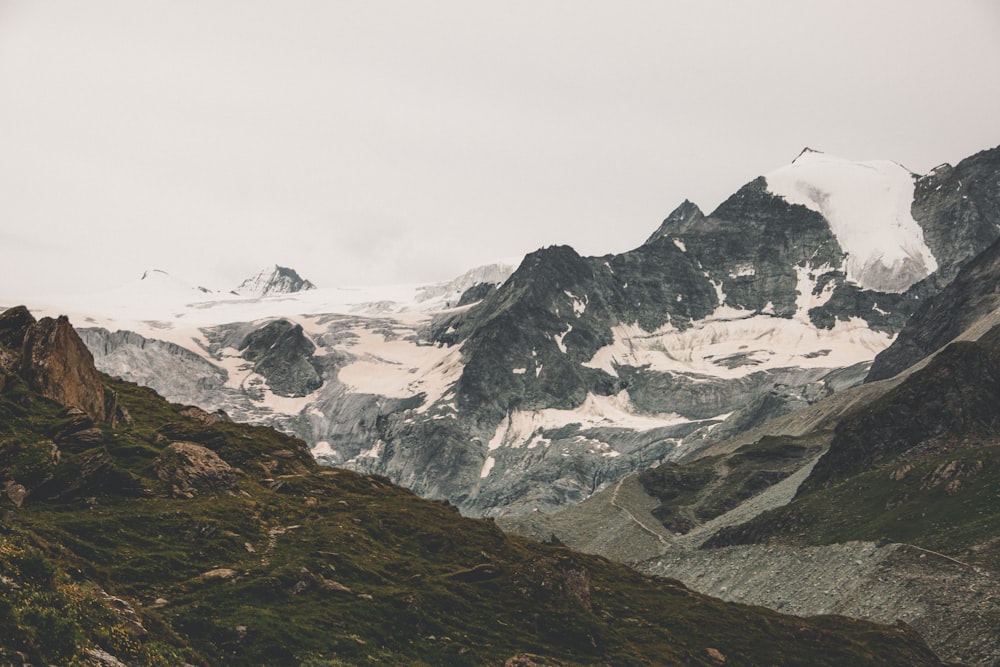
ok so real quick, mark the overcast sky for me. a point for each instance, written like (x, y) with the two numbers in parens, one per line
(370, 142)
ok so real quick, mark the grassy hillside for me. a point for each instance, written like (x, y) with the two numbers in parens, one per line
(113, 544)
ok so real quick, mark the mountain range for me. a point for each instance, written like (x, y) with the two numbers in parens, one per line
(510, 390)
(786, 402)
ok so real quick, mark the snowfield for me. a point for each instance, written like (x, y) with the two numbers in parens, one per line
(868, 207)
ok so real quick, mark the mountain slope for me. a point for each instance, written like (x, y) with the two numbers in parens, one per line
(167, 536)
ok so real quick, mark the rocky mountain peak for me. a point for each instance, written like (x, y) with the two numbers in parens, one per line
(274, 280)
(678, 222)
(807, 151)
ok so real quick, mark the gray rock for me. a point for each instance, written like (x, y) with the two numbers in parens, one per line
(191, 469)
(283, 355)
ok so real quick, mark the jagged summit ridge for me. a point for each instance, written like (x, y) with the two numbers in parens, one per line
(274, 280)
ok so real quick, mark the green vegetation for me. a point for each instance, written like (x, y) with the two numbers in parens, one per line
(301, 565)
(947, 502)
(700, 490)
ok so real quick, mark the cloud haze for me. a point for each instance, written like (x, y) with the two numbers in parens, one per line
(369, 142)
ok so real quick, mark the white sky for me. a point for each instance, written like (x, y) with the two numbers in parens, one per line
(370, 142)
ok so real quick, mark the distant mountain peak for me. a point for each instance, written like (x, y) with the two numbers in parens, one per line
(678, 221)
(807, 151)
(274, 280)
(154, 274)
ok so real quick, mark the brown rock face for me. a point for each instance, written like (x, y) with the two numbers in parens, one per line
(56, 364)
(192, 468)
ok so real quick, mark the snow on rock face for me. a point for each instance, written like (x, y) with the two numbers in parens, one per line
(868, 207)
(524, 428)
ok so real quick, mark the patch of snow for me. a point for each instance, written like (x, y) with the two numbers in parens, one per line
(559, 339)
(807, 279)
(323, 449)
(399, 368)
(487, 467)
(680, 245)
(371, 453)
(519, 371)
(719, 294)
(867, 205)
(526, 427)
(761, 341)
(579, 306)
(724, 313)
(286, 405)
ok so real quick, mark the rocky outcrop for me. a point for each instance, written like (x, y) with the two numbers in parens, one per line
(78, 431)
(57, 364)
(958, 209)
(191, 469)
(283, 355)
(14, 324)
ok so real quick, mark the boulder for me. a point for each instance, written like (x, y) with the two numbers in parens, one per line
(192, 469)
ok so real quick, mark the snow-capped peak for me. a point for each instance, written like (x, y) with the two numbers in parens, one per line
(493, 274)
(274, 280)
(867, 205)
